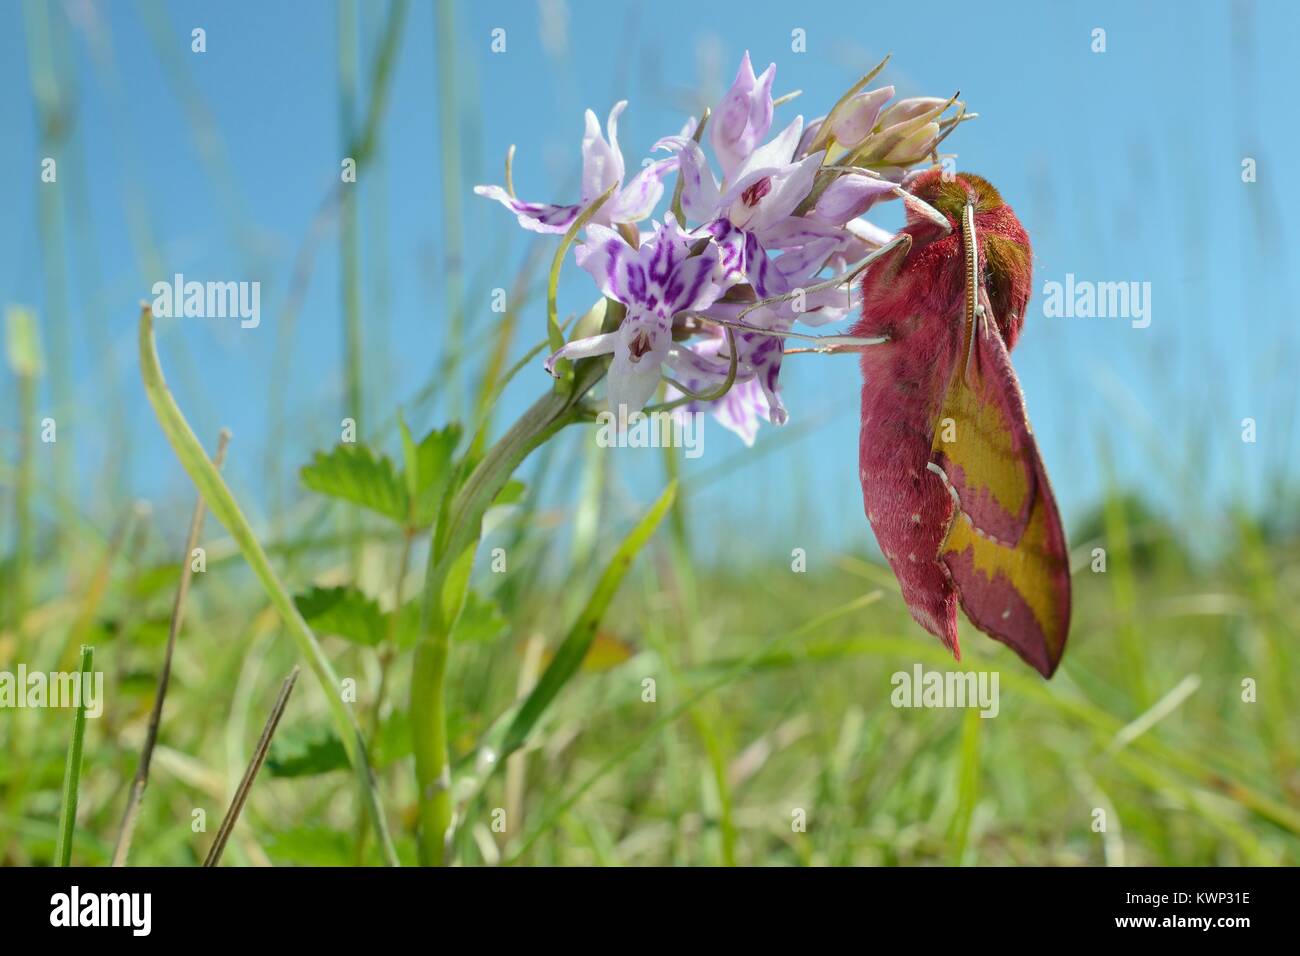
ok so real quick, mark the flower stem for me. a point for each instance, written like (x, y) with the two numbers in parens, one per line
(451, 556)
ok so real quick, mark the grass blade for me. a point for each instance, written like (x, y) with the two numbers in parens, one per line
(577, 642)
(72, 772)
(226, 510)
(732, 672)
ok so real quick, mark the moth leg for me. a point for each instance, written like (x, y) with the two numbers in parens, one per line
(927, 211)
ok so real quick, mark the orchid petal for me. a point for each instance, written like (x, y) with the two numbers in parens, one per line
(607, 258)
(694, 367)
(766, 362)
(788, 188)
(583, 348)
(743, 117)
(699, 188)
(690, 285)
(741, 409)
(643, 344)
(611, 126)
(545, 218)
(830, 305)
(773, 155)
(800, 264)
(809, 136)
(849, 196)
(730, 243)
(760, 271)
(602, 164)
(638, 198)
(794, 231)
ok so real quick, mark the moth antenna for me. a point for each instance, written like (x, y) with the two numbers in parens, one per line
(972, 262)
(975, 311)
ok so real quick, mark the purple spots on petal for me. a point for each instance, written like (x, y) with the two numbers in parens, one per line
(636, 282)
(701, 275)
(756, 191)
(614, 252)
(772, 372)
(661, 263)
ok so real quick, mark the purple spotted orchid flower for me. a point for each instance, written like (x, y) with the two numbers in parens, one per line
(655, 282)
(755, 210)
(752, 218)
(754, 258)
(602, 167)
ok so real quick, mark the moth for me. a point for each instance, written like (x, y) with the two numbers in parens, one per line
(952, 481)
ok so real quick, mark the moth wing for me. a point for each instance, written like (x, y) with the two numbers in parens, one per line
(1005, 549)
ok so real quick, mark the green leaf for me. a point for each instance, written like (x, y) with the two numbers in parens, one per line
(428, 471)
(512, 492)
(410, 496)
(345, 612)
(393, 739)
(72, 771)
(456, 586)
(408, 623)
(480, 621)
(352, 472)
(305, 752)
(311, 846)
(578, 641)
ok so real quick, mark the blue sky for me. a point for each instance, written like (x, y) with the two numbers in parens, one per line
(1123, 165)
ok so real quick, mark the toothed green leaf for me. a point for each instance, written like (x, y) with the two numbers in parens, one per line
(344, 612)
(352, 472)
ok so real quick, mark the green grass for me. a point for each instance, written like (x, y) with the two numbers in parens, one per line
(791, 691)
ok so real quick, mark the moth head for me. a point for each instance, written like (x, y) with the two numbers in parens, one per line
(1006, 258)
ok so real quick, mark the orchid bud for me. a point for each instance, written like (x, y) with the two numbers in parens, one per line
(913, 146)
(909, 109)
(855, 120)
(906, 140)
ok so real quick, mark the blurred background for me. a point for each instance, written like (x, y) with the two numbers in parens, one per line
(1157, 159)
